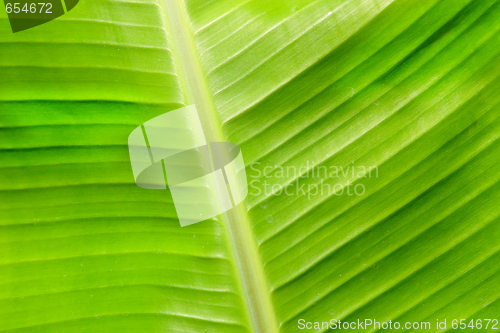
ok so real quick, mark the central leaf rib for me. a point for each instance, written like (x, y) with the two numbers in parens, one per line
(196, 91)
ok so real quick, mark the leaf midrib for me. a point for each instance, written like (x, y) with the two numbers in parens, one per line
(236, 221)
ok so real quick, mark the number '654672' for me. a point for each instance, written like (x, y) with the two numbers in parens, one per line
(32, 8)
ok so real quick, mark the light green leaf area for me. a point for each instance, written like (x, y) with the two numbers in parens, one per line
(370, 134)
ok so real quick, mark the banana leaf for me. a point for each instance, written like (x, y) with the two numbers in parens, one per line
(369, 131)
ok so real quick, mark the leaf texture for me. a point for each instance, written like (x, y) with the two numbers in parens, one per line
(400, 97)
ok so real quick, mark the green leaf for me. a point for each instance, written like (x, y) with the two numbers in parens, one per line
(370, 135)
